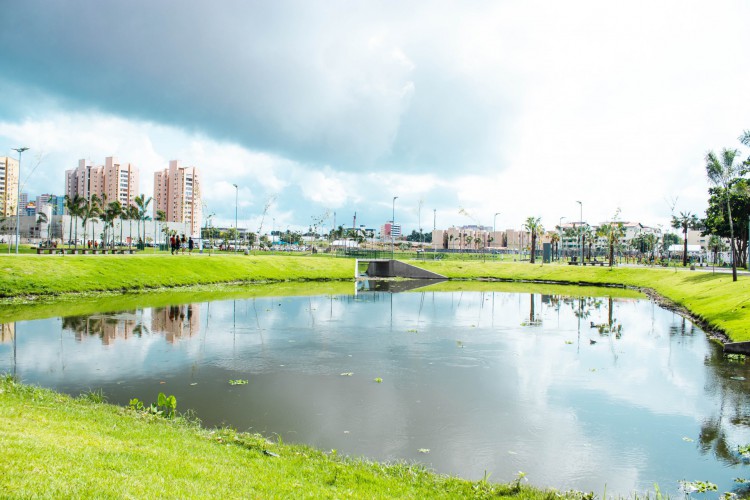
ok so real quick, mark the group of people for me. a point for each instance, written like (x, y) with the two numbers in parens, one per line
(177, 243)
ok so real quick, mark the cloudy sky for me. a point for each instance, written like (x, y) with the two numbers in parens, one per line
(462, 108)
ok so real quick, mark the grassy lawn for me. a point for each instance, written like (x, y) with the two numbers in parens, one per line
(57, 274)
(55, 446)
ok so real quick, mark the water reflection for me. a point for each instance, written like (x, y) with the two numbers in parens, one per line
(628, 393)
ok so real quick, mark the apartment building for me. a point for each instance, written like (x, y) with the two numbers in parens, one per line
(177, 193)
(8, 185)
(111, 181)
(390, 228)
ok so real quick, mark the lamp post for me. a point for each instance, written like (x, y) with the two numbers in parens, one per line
(18, 199)
(434, 228)
(580, 230)
(559, 225)
(393, 223)
(236, 229)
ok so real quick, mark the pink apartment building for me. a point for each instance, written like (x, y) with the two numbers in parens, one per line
(111, 181)
(8, 185)
(177, 193)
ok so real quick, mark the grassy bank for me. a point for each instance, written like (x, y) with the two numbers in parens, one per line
(55, 275)
(59, 447)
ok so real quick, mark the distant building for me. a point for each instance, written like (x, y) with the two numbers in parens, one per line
(177, 193)
(8, 185)
(388, 229)
(113, 181)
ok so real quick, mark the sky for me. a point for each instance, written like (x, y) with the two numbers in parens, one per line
(462, 110)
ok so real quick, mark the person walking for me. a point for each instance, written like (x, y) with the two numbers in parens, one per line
(183, 243)
(171, 244)
(191, 244)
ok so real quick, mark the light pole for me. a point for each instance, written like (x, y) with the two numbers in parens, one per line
(559, 225)
(236, 229)
(580, 230)
(434, 229)
(18, 199)
(393, 223)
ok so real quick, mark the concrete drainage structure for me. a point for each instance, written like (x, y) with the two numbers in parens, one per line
(387, 268)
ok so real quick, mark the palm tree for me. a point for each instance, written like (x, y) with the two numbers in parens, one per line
(74, 206)
(685, 221)
(131, 214)
(112, 212)
(142, 204)
(161, 216)
(722, 172)
(534, 226)
(555, 240)
(612, 233)
(90, 212)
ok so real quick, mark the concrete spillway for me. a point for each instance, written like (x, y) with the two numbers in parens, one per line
(388, 268)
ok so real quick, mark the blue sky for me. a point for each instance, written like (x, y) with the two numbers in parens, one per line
(465, 108)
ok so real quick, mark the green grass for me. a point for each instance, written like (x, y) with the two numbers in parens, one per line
(54, 275)
(55, 446)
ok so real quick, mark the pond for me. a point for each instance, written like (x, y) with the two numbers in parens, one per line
(578, 388)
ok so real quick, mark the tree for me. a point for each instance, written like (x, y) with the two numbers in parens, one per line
(131, 213)
(612, 233)
(668, 240)
(161, 216)
(722, 172)
(534, 226)
(587, 237)
(112, 212)
(555, 240)
(89, 212)
(717, 222)
(74, 206)
(685, 221)
(142, 203)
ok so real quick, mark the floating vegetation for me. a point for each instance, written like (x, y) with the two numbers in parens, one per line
(424, 450)
(378, 380)
(459, 343)
(736, 358)
(347, 374)
(568, 342)
(698, 486)
(412, 330)
(238, 382)
(687, 439)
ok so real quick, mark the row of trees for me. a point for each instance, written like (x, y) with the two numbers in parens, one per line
(97, 208)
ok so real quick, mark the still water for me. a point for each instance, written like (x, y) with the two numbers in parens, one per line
(577, 392)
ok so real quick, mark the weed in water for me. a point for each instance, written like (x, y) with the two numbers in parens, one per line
(96, 396)
(378, 380)
(238, 382)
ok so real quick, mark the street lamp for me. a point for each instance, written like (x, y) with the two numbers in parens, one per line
(580, 230)
(18, 199)
(393, 223)
(236, 229)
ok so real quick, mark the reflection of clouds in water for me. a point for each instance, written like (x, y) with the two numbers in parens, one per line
(461, 376)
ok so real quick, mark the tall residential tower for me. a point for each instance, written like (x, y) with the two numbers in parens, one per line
(111, 181)
(8, 185)
(177, 193)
